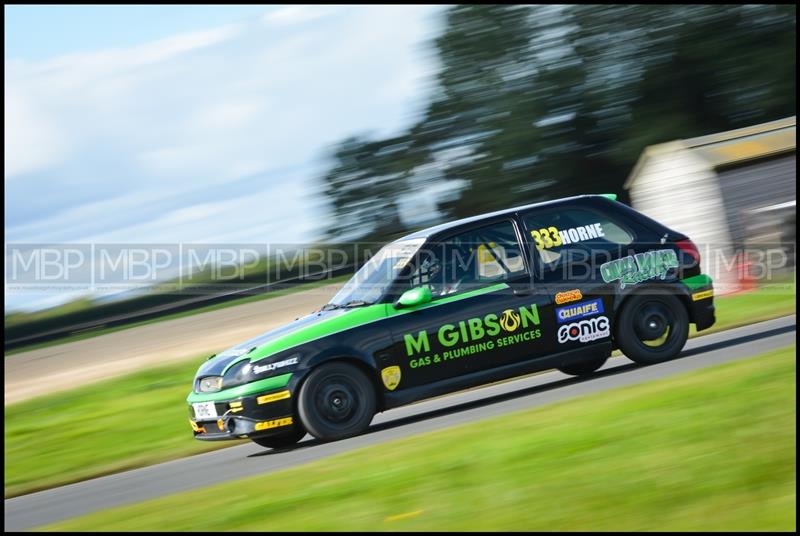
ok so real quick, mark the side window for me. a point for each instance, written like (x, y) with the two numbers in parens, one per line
(562, 236)
(470, 260)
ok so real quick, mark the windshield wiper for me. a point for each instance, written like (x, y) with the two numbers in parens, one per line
(356, 303)
(348, 305)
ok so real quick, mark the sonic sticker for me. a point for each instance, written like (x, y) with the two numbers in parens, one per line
(585, 330)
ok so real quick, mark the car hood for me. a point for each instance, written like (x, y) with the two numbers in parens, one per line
(259, 347)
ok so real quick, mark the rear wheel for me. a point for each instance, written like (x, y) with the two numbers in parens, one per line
(652, 328)
(336, 401)
(584, 368)
(281, 441)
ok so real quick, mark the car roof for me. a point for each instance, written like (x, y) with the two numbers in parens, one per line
(437, 229)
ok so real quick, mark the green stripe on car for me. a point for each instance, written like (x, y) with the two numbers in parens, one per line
(697, 281)
(354, 318)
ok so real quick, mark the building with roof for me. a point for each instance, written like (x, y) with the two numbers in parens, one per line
(727, 191)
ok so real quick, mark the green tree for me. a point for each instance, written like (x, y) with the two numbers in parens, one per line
(538, 102)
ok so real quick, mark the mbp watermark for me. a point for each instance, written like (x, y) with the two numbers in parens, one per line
(48, 266)
(455, 266)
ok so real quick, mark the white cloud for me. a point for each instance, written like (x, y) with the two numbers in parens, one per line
(290, 15)
(32, 139)
(158, 138)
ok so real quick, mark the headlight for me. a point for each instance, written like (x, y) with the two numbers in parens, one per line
(210, 384)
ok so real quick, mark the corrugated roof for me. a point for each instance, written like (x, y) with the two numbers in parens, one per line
(723, 148)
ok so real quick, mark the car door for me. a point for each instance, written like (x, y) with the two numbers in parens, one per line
(483, 313)
(570, 244)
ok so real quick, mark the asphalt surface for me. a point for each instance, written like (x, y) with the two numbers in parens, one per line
(56, 504)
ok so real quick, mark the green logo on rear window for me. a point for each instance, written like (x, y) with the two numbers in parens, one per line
(640, 267)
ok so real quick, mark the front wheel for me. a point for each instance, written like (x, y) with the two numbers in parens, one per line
(280, 441)
(337, 400)
(652, 328)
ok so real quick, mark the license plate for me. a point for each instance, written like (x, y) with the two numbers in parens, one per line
(205, 410)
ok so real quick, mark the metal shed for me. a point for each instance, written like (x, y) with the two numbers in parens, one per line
(723, 190)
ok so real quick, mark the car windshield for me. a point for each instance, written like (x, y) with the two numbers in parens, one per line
(372, 280)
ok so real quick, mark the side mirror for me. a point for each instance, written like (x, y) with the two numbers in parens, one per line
(414, 297)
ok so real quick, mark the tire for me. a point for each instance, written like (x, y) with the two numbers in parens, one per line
(280, 441)
(336, 401)
(642, 318)
(584, 368)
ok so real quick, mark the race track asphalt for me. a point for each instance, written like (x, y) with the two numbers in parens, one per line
(56, 504)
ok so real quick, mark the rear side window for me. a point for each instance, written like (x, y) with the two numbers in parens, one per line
(559, 235)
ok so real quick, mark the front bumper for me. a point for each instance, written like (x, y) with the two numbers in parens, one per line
(258, 414)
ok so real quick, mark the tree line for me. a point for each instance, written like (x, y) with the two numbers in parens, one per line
(537, 102)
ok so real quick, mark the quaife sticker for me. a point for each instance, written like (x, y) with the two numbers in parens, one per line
(585, 330)
(579, 310)
(473, 336)
(640, 267)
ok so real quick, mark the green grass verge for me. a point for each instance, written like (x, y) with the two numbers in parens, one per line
(771, 301)
(141, 419)
(95, 332)
(131, 421)
(711, 450)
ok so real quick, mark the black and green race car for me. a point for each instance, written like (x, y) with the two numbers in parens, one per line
(559, 284)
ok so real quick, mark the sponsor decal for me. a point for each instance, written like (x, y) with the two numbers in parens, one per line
(568, 296)
(702, 295)
(267, 425)
(510, 320)
(235, 407)
(584, 330)
(473, 336)
(550, 237)
(273, 366)
(274, 397)
(391, 377)
(579, 310)
(640, 267)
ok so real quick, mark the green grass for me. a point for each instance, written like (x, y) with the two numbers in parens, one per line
(131, 421)
(770, 301)
(711, 450)
(95, 332)
(141, 419)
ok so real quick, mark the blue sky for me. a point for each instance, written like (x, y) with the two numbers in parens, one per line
(41, 32)
(208, 124)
